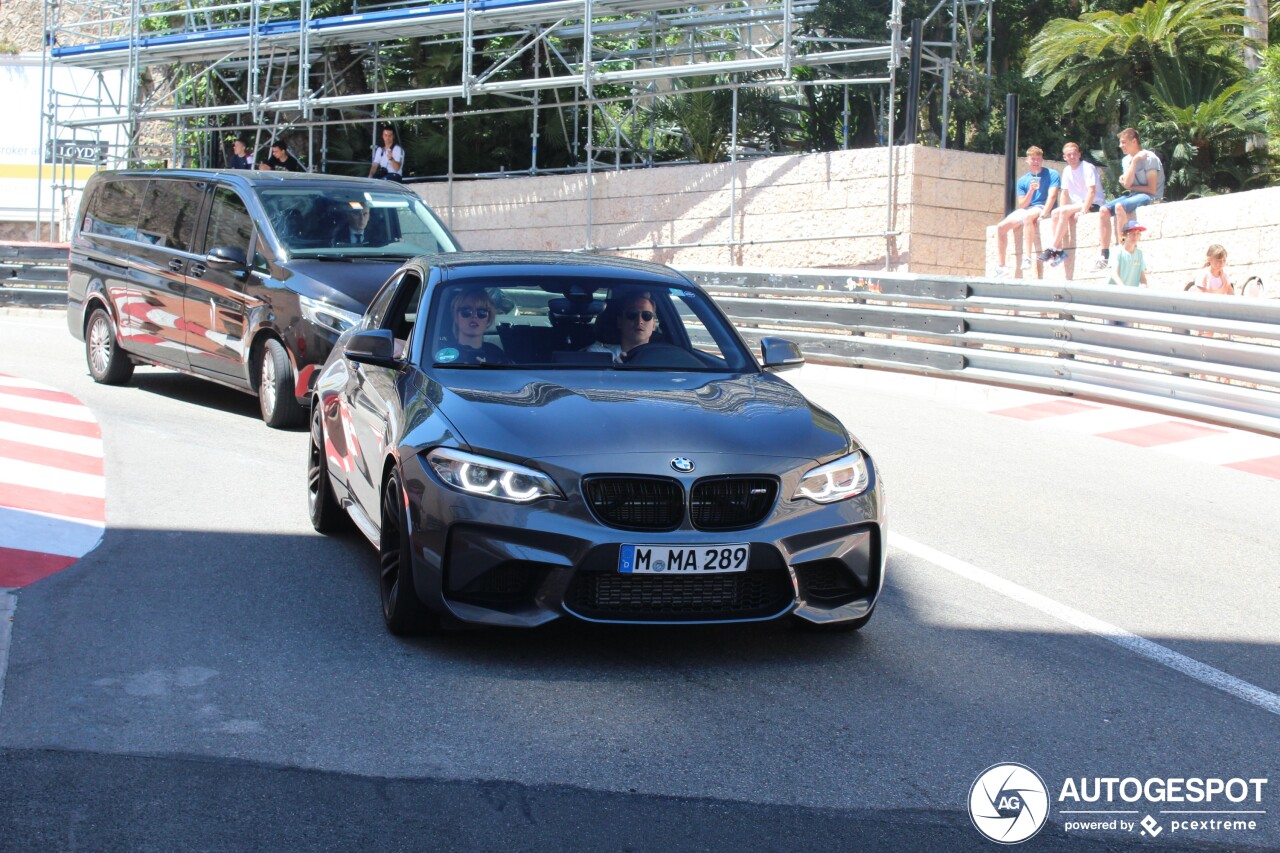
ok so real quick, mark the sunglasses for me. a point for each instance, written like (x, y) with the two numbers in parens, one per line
(647, 316)
(467, 311)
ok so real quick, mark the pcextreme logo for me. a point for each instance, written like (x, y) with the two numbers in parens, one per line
(1008, 803)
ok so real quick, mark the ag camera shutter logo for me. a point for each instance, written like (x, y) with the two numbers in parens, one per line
(1008, 803)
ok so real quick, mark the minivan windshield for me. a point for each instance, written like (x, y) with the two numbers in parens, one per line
(580, 323)
(347, 222)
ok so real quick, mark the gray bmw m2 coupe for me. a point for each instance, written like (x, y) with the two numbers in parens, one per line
(528, 437)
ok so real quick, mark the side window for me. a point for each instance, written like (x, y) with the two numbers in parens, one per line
(169, 213)
(115, 208)
(378, 307)
(404, 308)
(229, 222)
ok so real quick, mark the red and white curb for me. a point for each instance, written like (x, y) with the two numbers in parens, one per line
(52, 488)
(1216, 445)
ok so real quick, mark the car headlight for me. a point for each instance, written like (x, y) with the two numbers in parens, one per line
(844, 478)
(336, 320)
(491, 478)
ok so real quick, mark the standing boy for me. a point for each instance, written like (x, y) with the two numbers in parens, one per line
(1129, 268)
(1037, 191)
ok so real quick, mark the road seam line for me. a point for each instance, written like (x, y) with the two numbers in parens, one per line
(1140, 646)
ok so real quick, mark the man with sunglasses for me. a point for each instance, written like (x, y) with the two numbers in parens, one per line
(636, 323)
(472, 314)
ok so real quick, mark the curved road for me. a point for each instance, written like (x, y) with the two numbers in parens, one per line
(215, 675)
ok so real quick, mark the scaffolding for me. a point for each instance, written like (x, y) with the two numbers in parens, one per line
(186, 73)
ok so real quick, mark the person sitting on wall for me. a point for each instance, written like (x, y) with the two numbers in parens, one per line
(1081, 193)
(281, 160)
(1037, 191)
(1142, 177)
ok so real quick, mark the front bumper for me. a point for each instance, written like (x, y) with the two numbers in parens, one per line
(481, 561)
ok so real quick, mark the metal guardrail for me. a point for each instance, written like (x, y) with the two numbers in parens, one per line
(1211, 358)
(33, 273)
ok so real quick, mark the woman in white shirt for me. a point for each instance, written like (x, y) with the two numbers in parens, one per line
(389, 158)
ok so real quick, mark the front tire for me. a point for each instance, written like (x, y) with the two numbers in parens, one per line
(326, 515)
(403, 611)
(279, 407)
(108, 364)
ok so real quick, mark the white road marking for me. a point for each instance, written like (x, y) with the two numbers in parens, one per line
(1140, 646)
(85, 445)
(52, 479)
(52, 408)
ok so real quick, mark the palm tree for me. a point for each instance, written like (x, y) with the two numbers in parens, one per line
(1099, 62)
(1206, 137)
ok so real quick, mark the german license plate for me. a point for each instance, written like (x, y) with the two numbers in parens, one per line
(682, 559)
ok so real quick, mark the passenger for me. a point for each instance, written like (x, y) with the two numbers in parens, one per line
(637, 320)
(472, 313)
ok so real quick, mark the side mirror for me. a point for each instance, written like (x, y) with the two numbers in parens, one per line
(376, 347)
(780, 354)
(228, 259)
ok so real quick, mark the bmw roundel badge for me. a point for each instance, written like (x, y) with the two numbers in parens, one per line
(683, 464)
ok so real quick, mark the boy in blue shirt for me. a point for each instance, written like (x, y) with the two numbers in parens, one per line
(1037, 192)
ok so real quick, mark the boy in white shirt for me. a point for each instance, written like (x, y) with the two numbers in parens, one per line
(1082, 193)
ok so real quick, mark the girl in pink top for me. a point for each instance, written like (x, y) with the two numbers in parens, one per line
(1213, 278)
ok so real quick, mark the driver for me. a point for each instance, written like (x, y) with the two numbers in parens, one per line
(637, 321)
(472, 313)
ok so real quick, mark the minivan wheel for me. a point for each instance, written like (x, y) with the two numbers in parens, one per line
(404, 613)
(108, 364)
(326, 515)
(280, 408)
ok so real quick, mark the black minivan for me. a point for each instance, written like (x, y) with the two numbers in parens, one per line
(245, 278)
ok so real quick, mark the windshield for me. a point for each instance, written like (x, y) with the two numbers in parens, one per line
(345, 222)
(581, 324)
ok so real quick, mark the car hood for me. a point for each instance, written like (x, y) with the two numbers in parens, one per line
(524, 416)
(347, 284)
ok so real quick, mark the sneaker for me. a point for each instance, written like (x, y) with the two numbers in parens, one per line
(1002, 272)
(1101, 263)
(1046, 255)
(1026, 262)
(1059, 255)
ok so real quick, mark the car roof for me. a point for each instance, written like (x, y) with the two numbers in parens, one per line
(485, 263)
(261, 178)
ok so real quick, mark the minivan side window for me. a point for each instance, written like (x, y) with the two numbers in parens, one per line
(114, 209)
(170, 212)
(229, 222)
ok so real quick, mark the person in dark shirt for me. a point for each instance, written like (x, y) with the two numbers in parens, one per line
(239, 158)
(281, 160)
(472, 313)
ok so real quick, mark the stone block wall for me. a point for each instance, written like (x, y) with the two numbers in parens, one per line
(813, 210)
(1246, 224)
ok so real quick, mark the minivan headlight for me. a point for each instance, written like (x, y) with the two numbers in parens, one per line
(846, 477)
(491, 478)
(321, 313)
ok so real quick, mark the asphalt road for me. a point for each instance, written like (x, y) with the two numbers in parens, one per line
(215, 675)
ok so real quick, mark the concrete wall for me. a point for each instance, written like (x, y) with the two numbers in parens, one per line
(946, 208)
(837, 202)
(1246, 224)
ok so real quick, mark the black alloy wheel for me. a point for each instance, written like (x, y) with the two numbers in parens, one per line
(403, 611)
(279, 407)
(326, 515)
(108, 364)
